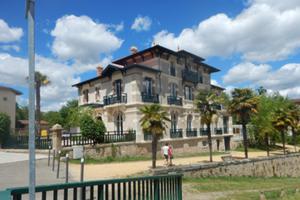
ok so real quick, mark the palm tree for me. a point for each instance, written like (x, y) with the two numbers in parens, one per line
(207, 103)
(281, 121)
(243, 104)
(154, 121)
(40, 81)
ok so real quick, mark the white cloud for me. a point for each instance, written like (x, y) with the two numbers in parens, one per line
(141, 23)
(9, 34)
(285, 79)
(14, 70)
(10, 47)
(214, 82)
(83, 40)
(267, 30)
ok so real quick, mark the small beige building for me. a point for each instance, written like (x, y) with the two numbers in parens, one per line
(8, 103)
(154, 75)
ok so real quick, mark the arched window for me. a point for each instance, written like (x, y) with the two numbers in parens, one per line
(173, 121)
(119, 123)
(189, 122)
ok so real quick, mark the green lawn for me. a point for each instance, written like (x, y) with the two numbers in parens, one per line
(111, 159)
(246, 188)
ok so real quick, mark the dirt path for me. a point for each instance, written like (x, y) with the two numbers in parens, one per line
(123, 169)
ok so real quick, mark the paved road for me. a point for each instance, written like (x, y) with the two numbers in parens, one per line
(6, 157)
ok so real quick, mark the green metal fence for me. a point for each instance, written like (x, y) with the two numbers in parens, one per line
(140, 188)
(21, 142)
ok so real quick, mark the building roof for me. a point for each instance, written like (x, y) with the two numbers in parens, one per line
(217, 87)
(111, 68)
(10, 89)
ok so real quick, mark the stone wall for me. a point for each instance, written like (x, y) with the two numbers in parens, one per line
(180, 146)
(278, 166)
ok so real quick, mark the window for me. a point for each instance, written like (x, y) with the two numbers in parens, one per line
(189, 122)
(172, 69)
(148, 86)
(118, 88)
(173, 121)
(188, 92)
(173, 89)
(97, 93)
(119, 123)
(85, 96)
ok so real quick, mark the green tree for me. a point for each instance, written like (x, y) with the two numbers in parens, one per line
(4, 127)
(243, 104)
(52, 117)
(21, 112)
(154, 121)
(92, 128)
(207, 103)
(70, 114)
(40, 81)
(294, 113)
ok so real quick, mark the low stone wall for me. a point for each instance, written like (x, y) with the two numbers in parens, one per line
(278, 166)
(180, 146)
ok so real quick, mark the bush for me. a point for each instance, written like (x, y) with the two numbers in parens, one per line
(4, 127)
(92, 128)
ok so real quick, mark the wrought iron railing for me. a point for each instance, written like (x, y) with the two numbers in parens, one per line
(218, 131)
(21, 142)
(109, 137)
(194, 77)
(174, 100)
(150, 98)
(191, 132)
(113, 99)
(176, 133)
(203, 132)
(151, 187)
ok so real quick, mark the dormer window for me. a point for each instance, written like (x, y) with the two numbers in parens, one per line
(172, 69)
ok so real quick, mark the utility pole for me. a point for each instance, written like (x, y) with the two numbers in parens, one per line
(30, 4)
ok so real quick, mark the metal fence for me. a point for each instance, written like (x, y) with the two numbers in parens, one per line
(150, 188)
(21, 142)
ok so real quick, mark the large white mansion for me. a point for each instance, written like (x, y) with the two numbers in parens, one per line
(153, 75)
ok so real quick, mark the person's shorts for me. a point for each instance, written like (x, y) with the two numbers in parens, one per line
(166, 157)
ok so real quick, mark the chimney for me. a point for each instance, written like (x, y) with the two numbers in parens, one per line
(99, 70)
(133, 50)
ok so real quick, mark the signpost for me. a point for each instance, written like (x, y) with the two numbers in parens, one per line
(30, 4)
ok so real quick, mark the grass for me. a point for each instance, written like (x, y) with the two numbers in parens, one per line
(246, 188)
(257, 149)
(111, 159)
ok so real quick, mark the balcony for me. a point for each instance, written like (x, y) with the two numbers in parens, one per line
(191, 132)
(150, 98)
(194, 77)
(203, 132)
(113, 99)
(174, 100)
(218, 131)
(176, 133)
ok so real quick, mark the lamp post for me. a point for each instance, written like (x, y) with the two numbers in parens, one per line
(30, 4)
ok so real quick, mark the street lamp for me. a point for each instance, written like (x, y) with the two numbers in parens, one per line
(30, 4)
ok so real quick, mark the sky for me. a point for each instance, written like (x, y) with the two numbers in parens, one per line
(253, 42)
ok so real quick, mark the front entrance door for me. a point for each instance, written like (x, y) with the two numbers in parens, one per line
(227, 143)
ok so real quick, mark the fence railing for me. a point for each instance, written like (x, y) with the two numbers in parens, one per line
(174, 100)
(176, 133)
(191, 132)
(218, 131)
(151, 187)
(109, 137)
(150, 98)
(203, 132)
(21, 142)
(112, 99)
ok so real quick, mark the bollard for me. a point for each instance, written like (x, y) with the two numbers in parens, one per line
(67, 168)
(49, 152)
(53, 160)
(82, 191)
(58, 164)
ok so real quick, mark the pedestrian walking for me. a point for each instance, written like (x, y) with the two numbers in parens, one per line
(170, 155)
(165, 153)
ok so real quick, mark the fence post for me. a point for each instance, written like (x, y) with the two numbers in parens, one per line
(49, 152)
(53, 160)
(179, 188)
(156, 190)
(58, 164)
(67, 168)
(56, 137)
(82, 190)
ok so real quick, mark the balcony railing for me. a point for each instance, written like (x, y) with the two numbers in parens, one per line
(194, 77)
(150, 98)
(191, 132)
(176, 133)
(218, 131)
(112, 99)
(174, 100)
(203, 132)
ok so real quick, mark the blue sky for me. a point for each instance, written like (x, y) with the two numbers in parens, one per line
(253, 42)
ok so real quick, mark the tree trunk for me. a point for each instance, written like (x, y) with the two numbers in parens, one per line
(267, 145)
(38, 107)
(154, 150)
(283, 141)
(245, 139)
(209, 142)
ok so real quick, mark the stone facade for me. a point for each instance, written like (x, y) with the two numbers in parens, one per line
(159, 72)
(278, 166)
